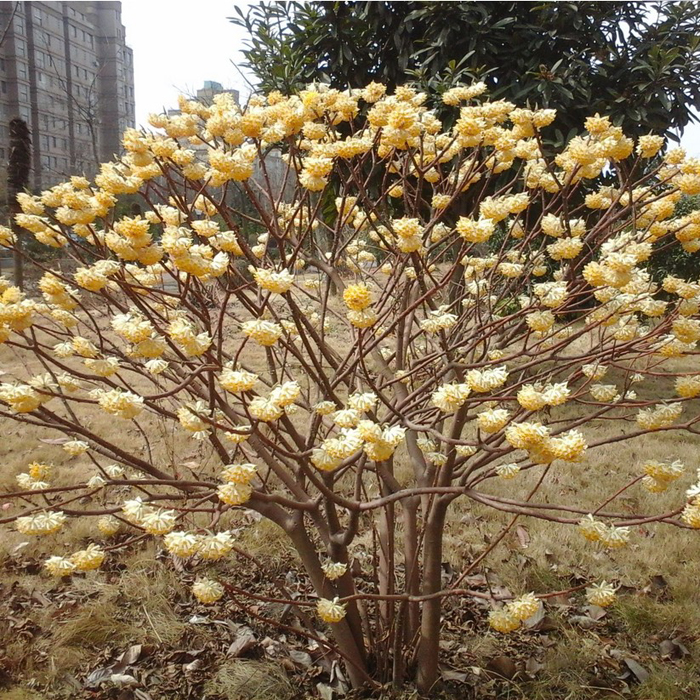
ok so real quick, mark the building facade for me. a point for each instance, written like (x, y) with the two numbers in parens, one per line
(66, 70)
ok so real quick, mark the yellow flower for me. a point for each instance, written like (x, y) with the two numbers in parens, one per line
(508, 471)
(503, 621)
(234, 494)
(330, 611)
(362, 319)
(88, 559)
(649, 146)
(75, 448)
(108, 525)
(449, 397)
(602, 594)
(237, 381)
(688, 387)
(357, 297)
(530, 398)
(691, 515)
(181, 544)
(206, 590)
(123, 404)
(215, 547)
(271, 281)
(265, 333)
(59, 566)
(158, 522)
(492, 420)
(334, 570)
(524, 607)
(40, 523)
(239, 473)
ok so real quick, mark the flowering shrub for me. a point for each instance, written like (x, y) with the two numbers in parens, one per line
(460, 316)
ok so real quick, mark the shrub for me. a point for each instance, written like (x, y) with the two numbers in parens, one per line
(354, 372)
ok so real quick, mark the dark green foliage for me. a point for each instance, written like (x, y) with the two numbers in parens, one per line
(673, 260)
(637, 62)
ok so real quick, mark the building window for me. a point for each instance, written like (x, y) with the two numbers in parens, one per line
(3, 87)
(22, 71)
(24, 93)
(20, 48)
(2, 64)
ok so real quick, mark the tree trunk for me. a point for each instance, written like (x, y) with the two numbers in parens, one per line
(18, 168)
(352, 650)
(429, 647)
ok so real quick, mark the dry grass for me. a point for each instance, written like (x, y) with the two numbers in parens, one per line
(138, 606)
(244, 679)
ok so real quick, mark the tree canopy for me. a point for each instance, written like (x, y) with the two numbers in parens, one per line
(637, 62)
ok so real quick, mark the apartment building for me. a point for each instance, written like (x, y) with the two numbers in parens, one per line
(66, 70)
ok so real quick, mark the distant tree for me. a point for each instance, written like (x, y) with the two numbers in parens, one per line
(18, 169)
(638, 62)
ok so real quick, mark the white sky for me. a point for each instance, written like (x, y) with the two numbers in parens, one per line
(178, 44)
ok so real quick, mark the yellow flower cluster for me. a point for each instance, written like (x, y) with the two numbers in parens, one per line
(330, 611)
(206, 590)
(602, 594)
(660, 416)
(44, 523)
(608, 535)
(333, 570)
(88, 559)
(237, 380)
(660, 474)
(121, 403)
(265, 333)
(276, 282)
(535, 397)
(438, 320)
(378, 442)
(509, 618)
(450, 397)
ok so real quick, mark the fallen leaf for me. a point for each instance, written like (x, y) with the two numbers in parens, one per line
(122, 679)
(638, 671)
(595, 612)
(532, 666)
(673, 649)
(583, 621)
(523, 536)
(534, 620)
(502, 666)
(452, 674)
(130, 656)
(244, 640)
(300, 657)
(324, 691)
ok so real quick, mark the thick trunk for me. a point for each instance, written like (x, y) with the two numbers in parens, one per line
(429, 649)
(352, 651)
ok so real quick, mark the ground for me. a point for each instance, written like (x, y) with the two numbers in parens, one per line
(132, 630)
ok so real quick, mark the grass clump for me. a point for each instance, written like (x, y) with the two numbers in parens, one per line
(245, 679)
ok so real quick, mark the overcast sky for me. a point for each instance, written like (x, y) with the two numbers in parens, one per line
(178, 44)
